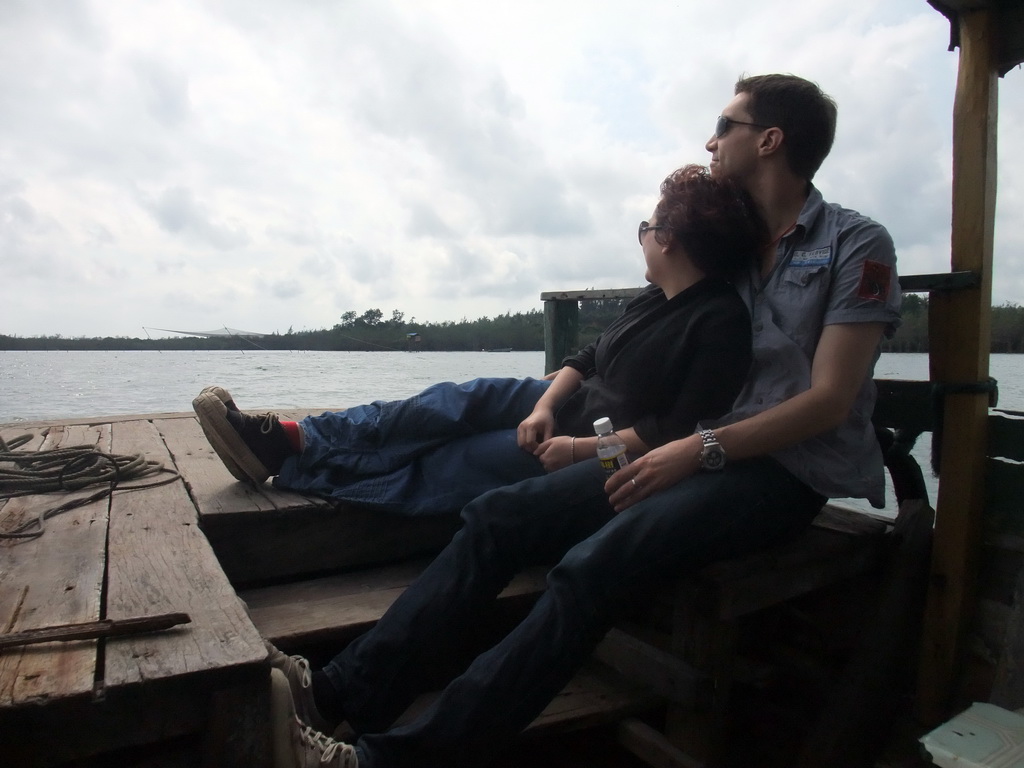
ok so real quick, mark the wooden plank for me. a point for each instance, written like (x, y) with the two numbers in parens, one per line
(561, 332)
(213, 489)
(1008, 690)
(852, 521)
(595, 696)
(335, 609)
(817, 558)
(943, 281)
(603, 293)
(904, 405)
(160, 562)
(1004, 491)
(864, 701)
(1006, 436)
(265, 534)
(652, 746)
(93, 420)
(960, 333)
(172, 683)
(54, 579)
(256, 548)
(664, 673)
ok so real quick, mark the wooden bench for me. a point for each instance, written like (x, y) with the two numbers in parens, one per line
(319, 616)
(676, 666)
(711, 611)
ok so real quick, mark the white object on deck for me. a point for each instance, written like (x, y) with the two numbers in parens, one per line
(983, 736)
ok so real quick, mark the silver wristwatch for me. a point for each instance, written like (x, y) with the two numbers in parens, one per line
(712, 455)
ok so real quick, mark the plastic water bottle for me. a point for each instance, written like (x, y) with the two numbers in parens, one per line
(610, 448)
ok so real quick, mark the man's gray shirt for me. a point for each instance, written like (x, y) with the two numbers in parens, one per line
(836, 266)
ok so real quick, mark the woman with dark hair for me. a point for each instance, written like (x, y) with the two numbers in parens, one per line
(678, 353)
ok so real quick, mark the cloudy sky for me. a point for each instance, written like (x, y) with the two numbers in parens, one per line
(271, 164)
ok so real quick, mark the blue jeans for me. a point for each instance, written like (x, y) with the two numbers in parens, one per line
(605, 562)
(430, 454)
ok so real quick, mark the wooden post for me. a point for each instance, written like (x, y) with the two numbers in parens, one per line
(561, 331)
(960, 338)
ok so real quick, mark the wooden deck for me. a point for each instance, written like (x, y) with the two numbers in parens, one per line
(196, 545)
(137, 554)
(252, 563)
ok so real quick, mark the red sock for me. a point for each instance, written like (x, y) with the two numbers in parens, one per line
(294, 435)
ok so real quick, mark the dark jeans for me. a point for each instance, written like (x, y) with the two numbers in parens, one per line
(429, 454)
(604, 562)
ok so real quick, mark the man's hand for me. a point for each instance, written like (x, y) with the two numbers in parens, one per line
(655, 471)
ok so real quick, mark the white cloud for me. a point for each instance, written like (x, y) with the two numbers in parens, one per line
(271, 164)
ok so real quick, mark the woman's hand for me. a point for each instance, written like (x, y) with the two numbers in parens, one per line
(535, 429)
(555, 453)
(655, 471)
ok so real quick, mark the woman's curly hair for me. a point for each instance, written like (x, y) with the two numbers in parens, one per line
(714, 220)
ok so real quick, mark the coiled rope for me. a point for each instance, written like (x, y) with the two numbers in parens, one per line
(26, 473)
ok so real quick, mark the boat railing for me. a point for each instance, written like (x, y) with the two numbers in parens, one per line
(562, 308)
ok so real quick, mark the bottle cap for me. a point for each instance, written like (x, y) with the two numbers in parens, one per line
(602, 425)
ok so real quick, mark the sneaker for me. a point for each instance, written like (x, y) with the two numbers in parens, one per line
(252, 447)
(223, 395)
(300, 680)
(295, 744)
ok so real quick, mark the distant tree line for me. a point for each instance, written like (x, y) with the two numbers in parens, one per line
(912, 336)
(369, 331)
(520, 331)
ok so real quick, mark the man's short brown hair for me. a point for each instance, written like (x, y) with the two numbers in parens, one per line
(805, 113)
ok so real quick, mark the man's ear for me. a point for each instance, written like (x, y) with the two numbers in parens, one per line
(771, 141)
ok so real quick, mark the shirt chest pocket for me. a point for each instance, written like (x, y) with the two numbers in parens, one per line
(802, 297)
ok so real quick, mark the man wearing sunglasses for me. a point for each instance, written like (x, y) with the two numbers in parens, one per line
(820, 299)
(825, 293)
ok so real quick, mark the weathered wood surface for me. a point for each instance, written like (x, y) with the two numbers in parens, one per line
(136, 553)
(53, 579)
(652, 746)
(838, 545)
(160, 562)
(334, 610)
(596, 696)
(337, 608)
(214, 491)
(262, 534)
(1008, 690)
(865, 702)
(960, 330)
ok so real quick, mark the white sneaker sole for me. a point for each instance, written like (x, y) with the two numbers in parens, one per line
(241, 462)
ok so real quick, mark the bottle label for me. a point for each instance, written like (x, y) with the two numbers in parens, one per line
(612, 464)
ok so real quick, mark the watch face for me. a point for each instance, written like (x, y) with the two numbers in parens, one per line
(713, 457)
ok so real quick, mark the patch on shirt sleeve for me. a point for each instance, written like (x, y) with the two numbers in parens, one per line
(874, 281)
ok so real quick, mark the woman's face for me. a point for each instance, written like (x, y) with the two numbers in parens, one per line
(654, 252)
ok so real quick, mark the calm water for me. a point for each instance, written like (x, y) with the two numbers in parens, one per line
(45, 385)
(53, 385)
